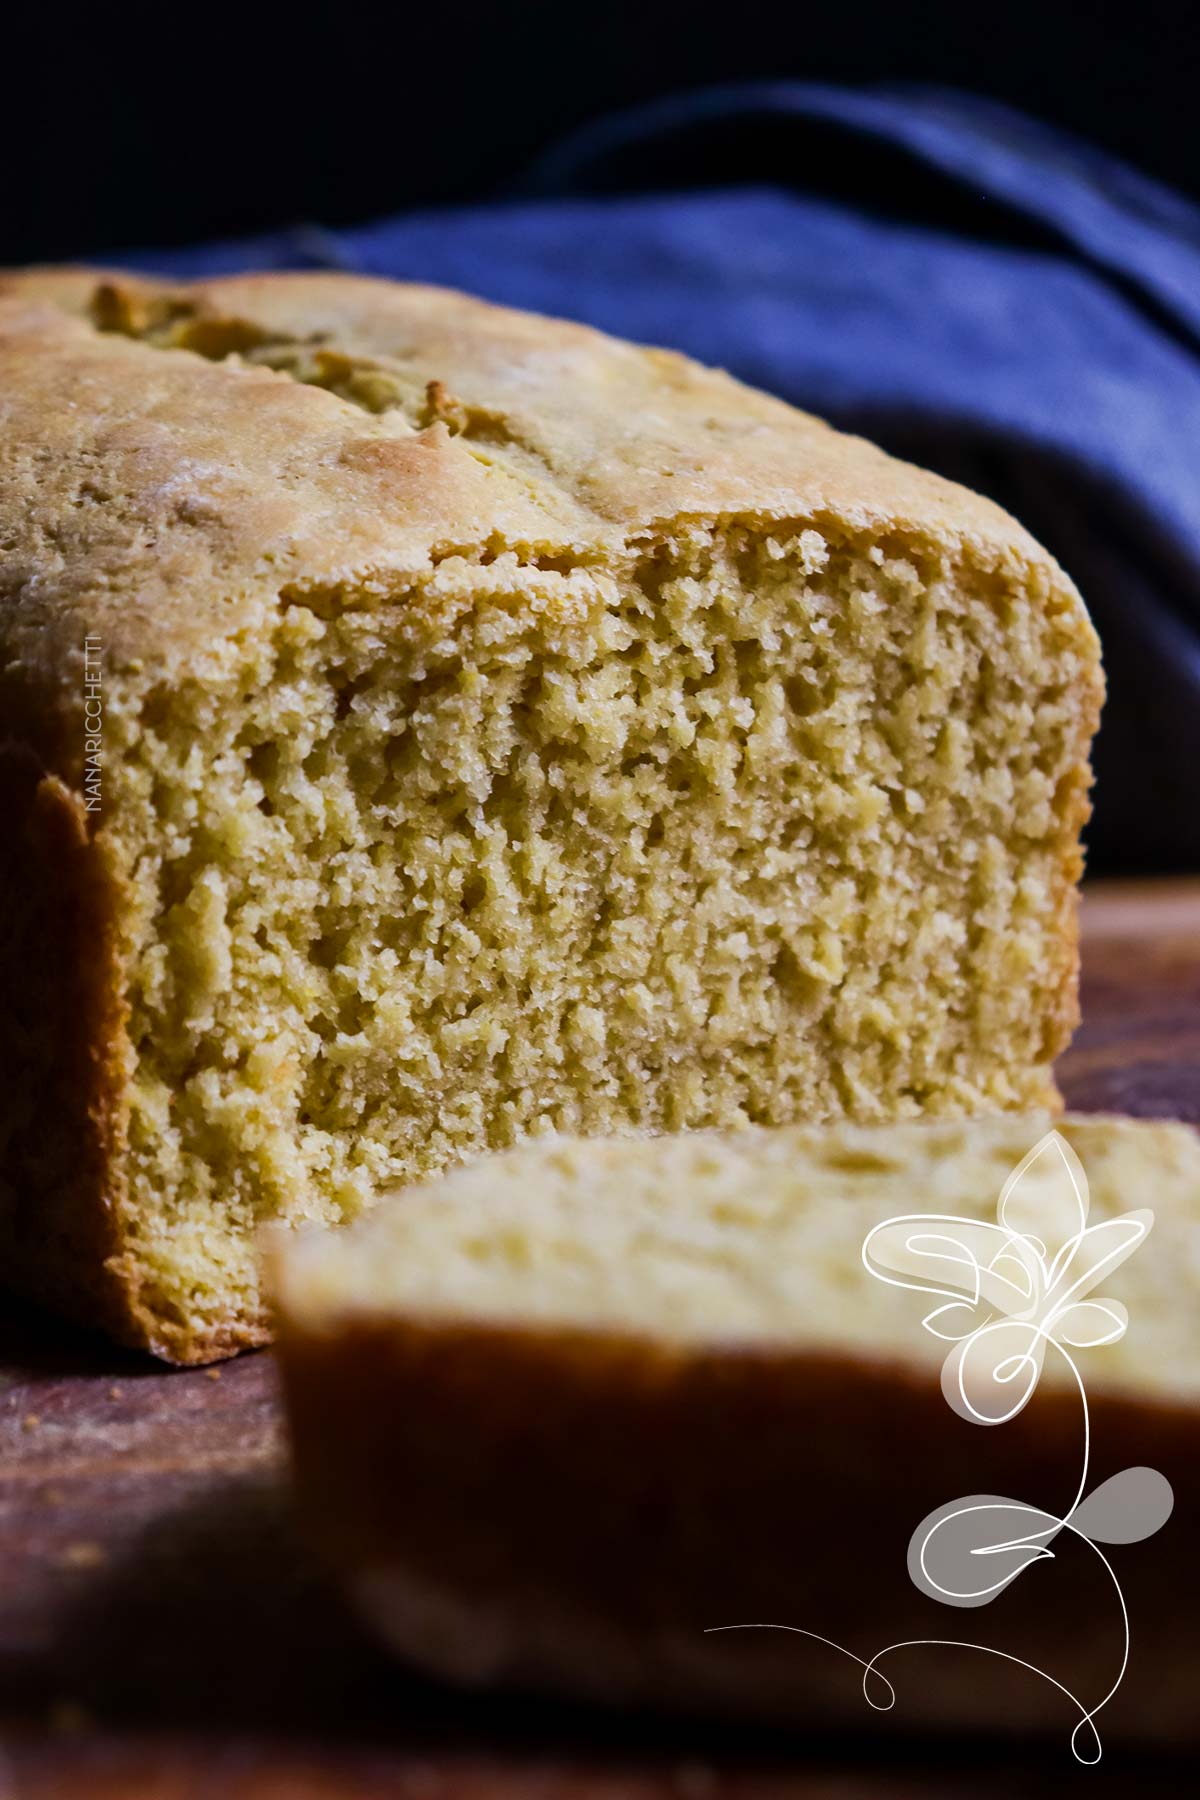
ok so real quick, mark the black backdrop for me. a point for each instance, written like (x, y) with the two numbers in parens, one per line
(126, 126)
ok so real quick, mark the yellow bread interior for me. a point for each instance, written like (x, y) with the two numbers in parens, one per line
(752, 1239)
(765, 830)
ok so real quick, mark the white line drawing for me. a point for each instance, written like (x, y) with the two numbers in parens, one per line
(1005, 1295)
(1009, 1291)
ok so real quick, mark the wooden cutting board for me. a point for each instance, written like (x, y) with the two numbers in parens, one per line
(163, 1634)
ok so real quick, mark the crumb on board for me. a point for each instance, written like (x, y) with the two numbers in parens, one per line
(83, 1555)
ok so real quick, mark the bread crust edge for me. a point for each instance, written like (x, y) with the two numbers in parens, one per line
(571, 1512)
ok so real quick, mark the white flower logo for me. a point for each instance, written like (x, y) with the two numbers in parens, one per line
(1010, 1288)
(1007, 1291)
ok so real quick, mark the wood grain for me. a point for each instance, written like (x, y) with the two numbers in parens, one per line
(164, 1634)
(1138, 1050)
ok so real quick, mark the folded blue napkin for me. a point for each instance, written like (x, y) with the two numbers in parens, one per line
(973, 290)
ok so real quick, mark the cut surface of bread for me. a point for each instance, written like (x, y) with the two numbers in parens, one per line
(504, 730)
(563, 1412)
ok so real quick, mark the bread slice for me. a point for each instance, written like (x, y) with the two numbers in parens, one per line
(562, 1413)
(501, 729)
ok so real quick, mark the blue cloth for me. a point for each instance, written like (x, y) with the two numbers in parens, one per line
(970, 288)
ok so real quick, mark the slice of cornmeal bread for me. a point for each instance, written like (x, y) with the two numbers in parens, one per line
(563, 1412)
(486, 727)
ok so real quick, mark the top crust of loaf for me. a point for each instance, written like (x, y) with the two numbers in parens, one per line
(747, 1240)
(164, 500)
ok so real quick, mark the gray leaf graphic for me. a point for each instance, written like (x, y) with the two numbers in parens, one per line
(1126, 1508)
(966, 1552)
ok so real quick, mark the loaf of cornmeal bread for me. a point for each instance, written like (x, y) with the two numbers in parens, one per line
(486, 727)
(564, 1415)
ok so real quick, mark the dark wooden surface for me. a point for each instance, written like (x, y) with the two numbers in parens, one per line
(164, 1634)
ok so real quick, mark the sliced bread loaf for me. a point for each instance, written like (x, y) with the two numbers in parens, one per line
(561, 1414)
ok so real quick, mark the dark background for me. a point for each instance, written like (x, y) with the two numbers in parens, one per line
(134, 126)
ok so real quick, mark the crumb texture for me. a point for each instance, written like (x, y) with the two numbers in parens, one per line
(461, 787)
(762, 833)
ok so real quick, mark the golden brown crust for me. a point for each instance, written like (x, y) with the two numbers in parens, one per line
(62, 1048)
(1063, 1015)
(71, 287)
(64, 1069)
(636, 436)
(570, 1512)
(626, 438)
(164, 501)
